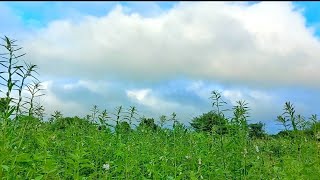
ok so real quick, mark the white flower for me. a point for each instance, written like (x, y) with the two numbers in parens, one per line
(257, 149)
(106, 167)
(245, 151)
(318, 136)
(187, 157)
(199, 161)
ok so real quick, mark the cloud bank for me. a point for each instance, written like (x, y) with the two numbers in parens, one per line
(264, 44)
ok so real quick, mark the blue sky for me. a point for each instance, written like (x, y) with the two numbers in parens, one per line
(166, 57)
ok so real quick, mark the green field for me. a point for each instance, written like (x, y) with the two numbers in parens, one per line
(73, 148)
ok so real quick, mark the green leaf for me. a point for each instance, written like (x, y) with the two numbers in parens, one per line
(24, 158)
(38, 177)
(5, 167)
(10, 112)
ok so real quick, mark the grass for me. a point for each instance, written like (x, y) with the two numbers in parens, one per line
(35, 149)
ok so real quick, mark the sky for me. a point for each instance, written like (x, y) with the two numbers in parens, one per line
(165, 57)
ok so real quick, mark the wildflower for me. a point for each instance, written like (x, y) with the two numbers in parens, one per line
(257, 149)
(53, 137)
(318, 136)
(199, 161)
(187, 157)
(245, 152)
(106, 167)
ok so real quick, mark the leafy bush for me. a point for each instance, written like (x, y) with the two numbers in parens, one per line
(207, 121)
(123, 127)
(256, 130)
(147, 123)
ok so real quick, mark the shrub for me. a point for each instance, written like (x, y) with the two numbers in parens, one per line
(148, 123)
(256, 130)
(123, 127)
(210, 120)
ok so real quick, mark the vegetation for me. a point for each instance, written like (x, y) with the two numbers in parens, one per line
(123, 145)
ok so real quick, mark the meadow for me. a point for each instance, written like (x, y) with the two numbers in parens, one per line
(125, 145)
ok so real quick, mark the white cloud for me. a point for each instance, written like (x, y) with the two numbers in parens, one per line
(263, 106)
(260, 95)
(139, 95)
(263, 44)
(52, 103)
(99, 87)
(203, 90)
(145, 97)
(233, 96)
(155, 105)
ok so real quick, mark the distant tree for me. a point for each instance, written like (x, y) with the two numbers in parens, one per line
(314, 128)
(180, 127)
(55, 116)
(163, 120)
(285, 133)
(148, 123)
(66, 122)
(256, 130)
(123, 127)
(207, 121)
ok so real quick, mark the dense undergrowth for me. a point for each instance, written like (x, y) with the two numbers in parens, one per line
(73, 148)
(126, 146)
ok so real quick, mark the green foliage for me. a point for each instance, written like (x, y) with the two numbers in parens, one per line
(55, 116)
(80, 151)
(123, 127)
(285, 133)
(3, 105)
(315, 127)
(290, 120)
(13, 77)
(103, 118)
(130, 114)
(207, 121)
(118, 114)
(240, 112)
(147, 123)
(213, 120)
(256, 130)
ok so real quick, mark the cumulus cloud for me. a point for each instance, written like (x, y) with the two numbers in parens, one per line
(262, 105)
(144, 97)
(52, 103)
(156, 105)
(262, 44)
(125, 57)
